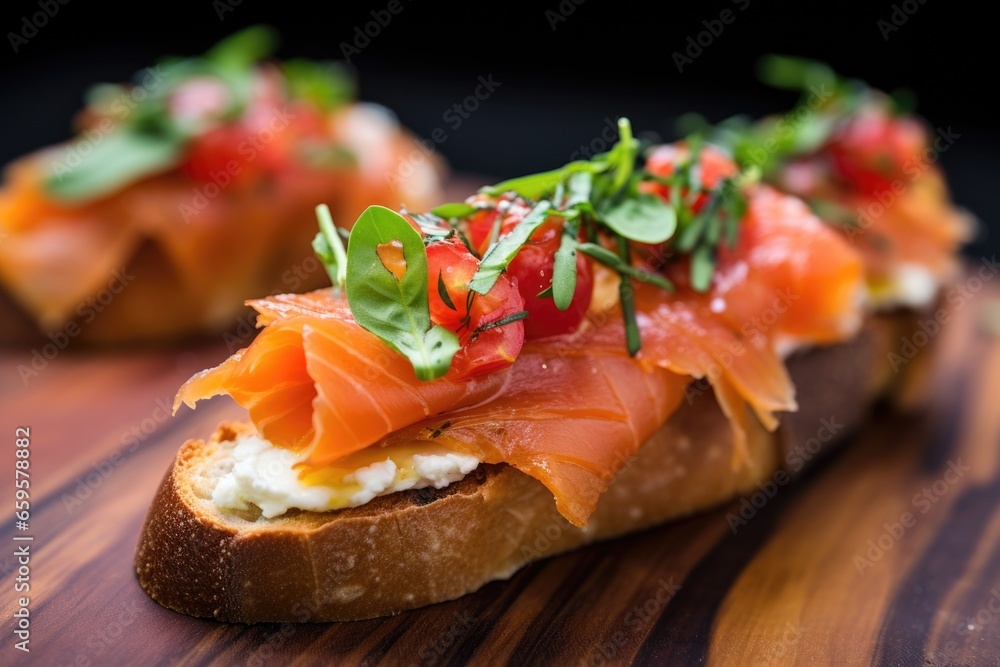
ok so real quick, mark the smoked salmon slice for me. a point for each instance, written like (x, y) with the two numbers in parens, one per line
(315, 379)
(571, 409)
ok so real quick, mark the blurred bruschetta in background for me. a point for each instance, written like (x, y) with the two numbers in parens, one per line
(191, 189)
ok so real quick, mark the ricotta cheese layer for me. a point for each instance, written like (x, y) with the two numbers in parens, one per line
(266, 476)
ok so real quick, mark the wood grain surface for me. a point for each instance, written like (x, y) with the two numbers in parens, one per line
(887, 552)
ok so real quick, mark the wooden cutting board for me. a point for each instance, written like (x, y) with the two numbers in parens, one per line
(887, 552)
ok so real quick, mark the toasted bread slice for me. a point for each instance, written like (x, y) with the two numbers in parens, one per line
(415, 548)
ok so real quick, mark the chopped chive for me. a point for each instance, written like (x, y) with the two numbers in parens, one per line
(627, 297)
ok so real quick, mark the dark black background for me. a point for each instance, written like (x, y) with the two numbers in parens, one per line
(558, 86)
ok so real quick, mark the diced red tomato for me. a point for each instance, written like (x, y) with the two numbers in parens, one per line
(872, 148)
(484, 349)
(238, 152)
(480, 226)
(221, 150)
(715, 164)
(533, 268)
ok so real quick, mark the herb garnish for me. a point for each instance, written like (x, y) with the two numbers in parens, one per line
(605, 208)
(602, 198)
(329, 247)
(395, 307)
(825, 101)
(149, 139)
(500, 254)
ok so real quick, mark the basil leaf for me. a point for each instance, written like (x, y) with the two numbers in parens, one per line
(645, 218)
(614, 262)
(564, 272)
(120, 158)
(537, 186)
(396, 311)
(501, 253)
(330, 248)
(454, 210)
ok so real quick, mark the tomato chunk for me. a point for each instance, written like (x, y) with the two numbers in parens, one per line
(486, 346)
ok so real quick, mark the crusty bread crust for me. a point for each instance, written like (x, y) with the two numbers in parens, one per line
(415, 548)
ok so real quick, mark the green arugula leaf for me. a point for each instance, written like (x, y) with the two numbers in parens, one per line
(328, 85)
(396, 311)
(644, 218)
(501, 253)
(244, 48)
(454, 210)
(537, 186)
(564, 272)
(330, 248)
(795, 73)
(232, 60)
(120, 158)
(615, 262)
(579, 187)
